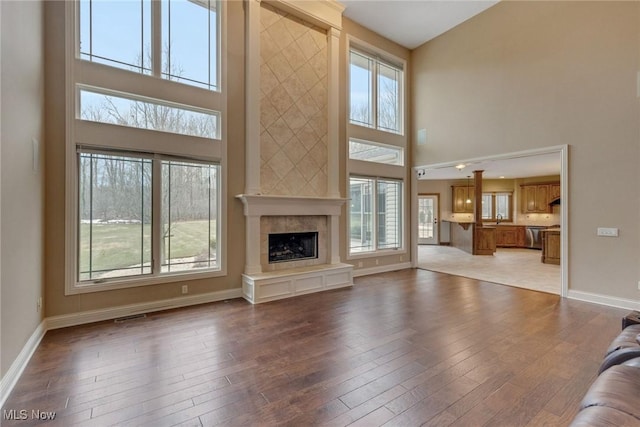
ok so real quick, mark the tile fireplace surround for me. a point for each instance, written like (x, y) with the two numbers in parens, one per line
(292, 144)
(266, 282)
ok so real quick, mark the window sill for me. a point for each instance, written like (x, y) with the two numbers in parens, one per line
(129, 282)
(378, 253)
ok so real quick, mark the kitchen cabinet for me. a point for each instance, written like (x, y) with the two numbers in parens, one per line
(508, 236)
(554, 191)
(521, 237)
(551, 246)
(484, 241)
(460, 196)
(536, 197)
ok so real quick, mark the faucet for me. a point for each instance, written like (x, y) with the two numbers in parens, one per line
(498, 218)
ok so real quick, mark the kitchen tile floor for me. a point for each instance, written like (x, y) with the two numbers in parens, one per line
(521, 268)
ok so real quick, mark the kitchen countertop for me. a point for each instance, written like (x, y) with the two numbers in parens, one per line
(493, 224)
(455, 221)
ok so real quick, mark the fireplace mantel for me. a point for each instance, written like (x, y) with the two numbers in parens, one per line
(260, 286)
(264, 205)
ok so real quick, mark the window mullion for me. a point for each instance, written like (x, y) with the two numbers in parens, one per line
(374, 95)
(494, 206)
(156, 216)
(156, 38)
(375, 213)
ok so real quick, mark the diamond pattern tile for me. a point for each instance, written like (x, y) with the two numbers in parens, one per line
(294, 58)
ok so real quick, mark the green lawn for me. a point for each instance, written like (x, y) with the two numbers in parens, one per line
(117, 246)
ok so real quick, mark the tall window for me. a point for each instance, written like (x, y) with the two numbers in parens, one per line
(122, 33)
(145, 155)
(376, 89)
(369, 232)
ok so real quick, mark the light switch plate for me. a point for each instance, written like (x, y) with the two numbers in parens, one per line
(607, 232)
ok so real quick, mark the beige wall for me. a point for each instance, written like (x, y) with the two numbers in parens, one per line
(22, 185)
(57, 302)
(526, 75)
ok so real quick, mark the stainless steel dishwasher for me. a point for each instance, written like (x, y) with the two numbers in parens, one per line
(533, 238)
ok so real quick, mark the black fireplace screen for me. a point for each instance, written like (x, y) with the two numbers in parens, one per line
(292, 246)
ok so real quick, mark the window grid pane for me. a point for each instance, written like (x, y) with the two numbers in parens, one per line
(114, 216)
(375, 84)
(425, 218)
(361, 94)
(116, 33)
(361, 215)
(502, 205)
(389, 214)
(388, 98)
(102, 108)
(189, 219)
(189, 42)
(378, 153)
(487, 206)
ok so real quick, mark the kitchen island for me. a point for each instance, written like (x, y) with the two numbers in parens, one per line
(471, 238)
(551, 246)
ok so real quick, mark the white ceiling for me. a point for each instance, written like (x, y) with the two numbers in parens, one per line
(509, 168)
(414, 22)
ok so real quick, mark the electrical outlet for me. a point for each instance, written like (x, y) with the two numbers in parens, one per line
(607, 232)
(401, 258)
(359, 264)
(185, 289)
(39, 304)
(639, 285)
(377, 262)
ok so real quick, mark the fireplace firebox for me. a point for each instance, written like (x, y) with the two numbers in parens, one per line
(292, 246)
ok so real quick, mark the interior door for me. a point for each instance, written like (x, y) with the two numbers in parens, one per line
(428, 220)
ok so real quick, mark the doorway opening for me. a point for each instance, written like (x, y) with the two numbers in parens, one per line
(520, 164)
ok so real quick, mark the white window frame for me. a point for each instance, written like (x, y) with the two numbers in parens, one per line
(400, 150)
(374, 213)
(82, 73)
(374, 170)
(493, 195)
(379, 57)
(157, 43)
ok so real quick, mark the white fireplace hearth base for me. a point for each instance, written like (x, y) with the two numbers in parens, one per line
(274, 285)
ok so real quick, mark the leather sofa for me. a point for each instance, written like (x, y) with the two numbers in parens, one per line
(614, 397)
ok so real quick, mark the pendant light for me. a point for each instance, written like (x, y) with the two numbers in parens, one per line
(468, 198)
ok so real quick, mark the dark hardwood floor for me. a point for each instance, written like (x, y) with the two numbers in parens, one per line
(405, 348)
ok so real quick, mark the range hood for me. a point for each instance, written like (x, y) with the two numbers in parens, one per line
(554, 202)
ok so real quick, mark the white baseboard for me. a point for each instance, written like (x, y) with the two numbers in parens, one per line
(380, 269)
(9, 380)
(12, 376)
(604, 300)
(91, 316)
